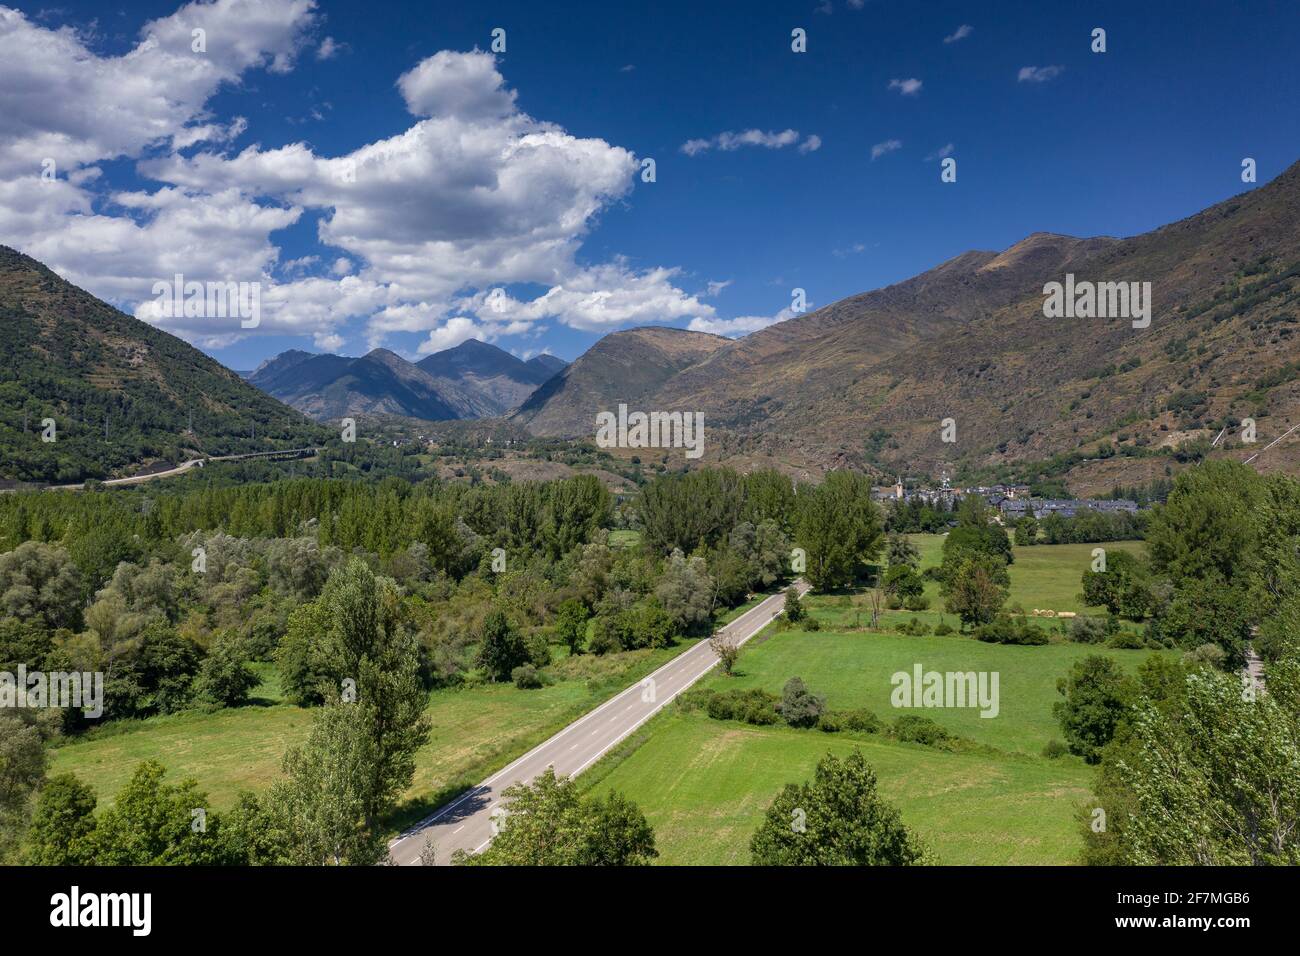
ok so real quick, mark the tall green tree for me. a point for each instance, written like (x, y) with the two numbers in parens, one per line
(1205, 777)
(547, 823)
(837, 819)
(839, 528)
(976, 588)
(155, 823)
(323, 810)
(501, 647)
(571, 624)
(62, 831)
(1096, 696)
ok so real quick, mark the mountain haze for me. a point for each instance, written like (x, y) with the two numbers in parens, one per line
(472, 380)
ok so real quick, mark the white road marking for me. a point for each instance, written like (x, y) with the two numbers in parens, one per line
(670, 670)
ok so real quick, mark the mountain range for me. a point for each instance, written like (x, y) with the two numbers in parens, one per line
(868, 381)
(472, 380)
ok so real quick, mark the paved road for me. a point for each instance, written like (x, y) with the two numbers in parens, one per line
(467, 823)
(184, 467)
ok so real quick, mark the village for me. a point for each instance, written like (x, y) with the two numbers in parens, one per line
(1011, 502)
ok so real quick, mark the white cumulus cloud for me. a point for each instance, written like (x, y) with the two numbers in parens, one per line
(1038, 74)
(883, 149)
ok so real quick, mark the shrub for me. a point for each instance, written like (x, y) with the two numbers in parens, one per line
(1009, 630)
(917, 602)
(1096, 695)
(752, 706)
(526, 677)
(1054, 750)
(915, 628)
(721, 707)
(941, 629)
(794, 609)
(1127, 640)
(799, 706)
(1088, 630)
(860, 721)
(811, 623)
(832, 722)
(225, 677)
(604, 636)
(757, 711)
(1211, 654)
(694, 698)
(539, 649)
(921, 730)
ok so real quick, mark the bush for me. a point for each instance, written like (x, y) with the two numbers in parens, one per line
(1211, 654)
(920, 730)
(831, 722)
(721, 707)
(794, 609)
(1088, 630)
(539, 649)
(917, 602)
(810, 623)
(1097, 694)
(914, 628)
(799, 706)
(941, 629)
(761, 712)
(694, 699)
(1054, 750)
(1009, 630)
(526, 677)
(1128, 641)
(225, 677)
(751, 706)
(860, 721)
(604, 636)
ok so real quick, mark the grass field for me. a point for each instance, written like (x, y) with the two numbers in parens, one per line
(1042, 576)
(854, 670)
(705, 784)
(475, 731)
(624, 539)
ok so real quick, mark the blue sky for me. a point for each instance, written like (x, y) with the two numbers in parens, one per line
(1117, 143)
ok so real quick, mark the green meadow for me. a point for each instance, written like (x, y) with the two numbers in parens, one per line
(476, 730)
(852, 670)
(1042, 575)
(704, 784)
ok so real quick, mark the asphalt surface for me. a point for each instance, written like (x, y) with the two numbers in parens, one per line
(468, 823)
(183, 467)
